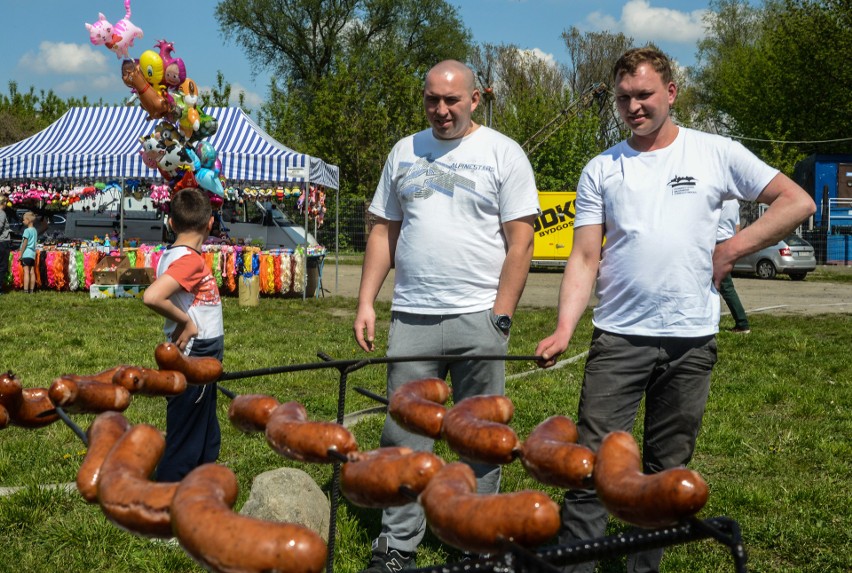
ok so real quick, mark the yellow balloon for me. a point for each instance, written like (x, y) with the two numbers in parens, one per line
(151, 65)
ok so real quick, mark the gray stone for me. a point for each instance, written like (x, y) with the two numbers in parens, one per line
(289, 495)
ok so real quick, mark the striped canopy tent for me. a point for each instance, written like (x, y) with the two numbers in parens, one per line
(103, 143)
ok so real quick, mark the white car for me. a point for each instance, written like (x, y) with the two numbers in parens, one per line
(793, 256)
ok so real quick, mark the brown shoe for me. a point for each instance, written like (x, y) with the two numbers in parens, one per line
(740, 330)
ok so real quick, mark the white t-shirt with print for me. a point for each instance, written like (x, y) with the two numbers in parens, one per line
(728, 220)
(452, 197)
(660, 211)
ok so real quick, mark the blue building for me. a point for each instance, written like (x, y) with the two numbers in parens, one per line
(828, 179)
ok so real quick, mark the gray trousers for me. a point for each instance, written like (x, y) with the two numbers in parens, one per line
(457, 335)
(673, 375)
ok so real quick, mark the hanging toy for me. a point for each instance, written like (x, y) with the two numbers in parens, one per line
(118, 37)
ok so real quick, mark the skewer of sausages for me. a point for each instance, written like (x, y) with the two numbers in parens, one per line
(25, 406)
(105, 376)
(551, 455)
(475, 428)
(483, 523)
(151, 382)
(250, 413)
(78, 395)
(290, 434)
(649, 501)
(221, 540)
(418, 407)
(4, 417)
(387, 477)
(127, 496)
(197, 369)
(104, 432)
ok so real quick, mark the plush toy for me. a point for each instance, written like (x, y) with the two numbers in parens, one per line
(118, 37)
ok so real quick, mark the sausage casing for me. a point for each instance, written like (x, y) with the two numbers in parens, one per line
(483, 523)
(290, 434)
(221, 540)
(551, 455)
(28, 407)
(376, 478)
(249, 413)
(78, 395)
(649, 501)
(127, 496)
(104, 432)
(4, 417)
(476, 429)
(418, 406)
(197, 369)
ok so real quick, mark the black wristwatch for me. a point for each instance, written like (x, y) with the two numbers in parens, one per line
(502, 321)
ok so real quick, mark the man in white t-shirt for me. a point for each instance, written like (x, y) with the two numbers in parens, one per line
(657, 198)
(729, 225)
(456, 205)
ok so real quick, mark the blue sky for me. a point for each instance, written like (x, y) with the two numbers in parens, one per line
(45, 44)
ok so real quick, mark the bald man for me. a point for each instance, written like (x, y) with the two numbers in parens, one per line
(455, 208)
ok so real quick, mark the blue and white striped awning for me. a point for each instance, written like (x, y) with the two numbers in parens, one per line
(103, 143)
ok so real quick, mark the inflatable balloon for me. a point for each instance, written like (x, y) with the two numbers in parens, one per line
(174, 158)
(151, 65)
(151, 151)
(118, 37)
(150, 99)
(190, 119)
(203, 161)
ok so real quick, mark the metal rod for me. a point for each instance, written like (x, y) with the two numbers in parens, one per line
(368, 394)
(229, 393)
(352, 365)
(74, 427)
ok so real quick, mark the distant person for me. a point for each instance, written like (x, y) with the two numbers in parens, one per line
(729, 225)
(657, 197)
(28, 252)
(455, 209)
(186, 295)
(5, 242)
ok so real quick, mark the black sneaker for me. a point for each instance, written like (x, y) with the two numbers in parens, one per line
(387, 560)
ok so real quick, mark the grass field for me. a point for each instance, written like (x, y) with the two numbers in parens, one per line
(775, 444)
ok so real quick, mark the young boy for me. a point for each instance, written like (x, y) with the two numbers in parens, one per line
(186, 295)
(28, 251)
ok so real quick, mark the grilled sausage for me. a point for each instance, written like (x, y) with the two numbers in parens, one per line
(387, 477)
(4, 417)
(78, 395)
(551, 455)
(127, 496)
(418, 407)
(483, 523)
(290, 434)
(151, 382)
(476, 429)
(221, 540)
(106, 376)
(25, 406)
(104, 432)
(250, 412)
(197, 369)
(650, 501)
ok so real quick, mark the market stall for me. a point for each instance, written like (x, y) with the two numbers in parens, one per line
(102, 146)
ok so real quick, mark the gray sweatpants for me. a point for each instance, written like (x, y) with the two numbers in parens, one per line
(457, 335)
(673, 374)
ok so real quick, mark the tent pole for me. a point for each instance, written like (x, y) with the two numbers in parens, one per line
(121, 221)
(307, 208)
(336, 238)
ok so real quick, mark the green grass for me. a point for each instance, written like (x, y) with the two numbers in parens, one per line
(774, 446)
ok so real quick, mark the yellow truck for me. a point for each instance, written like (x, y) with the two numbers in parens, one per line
(554, 229)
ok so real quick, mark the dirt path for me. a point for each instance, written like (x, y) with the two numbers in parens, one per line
(777, 296)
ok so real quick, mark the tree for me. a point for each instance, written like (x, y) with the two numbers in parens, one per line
(349, 72)
(772, 75)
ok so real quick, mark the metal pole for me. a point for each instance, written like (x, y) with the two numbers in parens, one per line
(121, 220)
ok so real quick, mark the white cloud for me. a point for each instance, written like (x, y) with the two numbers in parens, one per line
(644, 22)
(541, 55)
(64, 58)
(253, 100)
